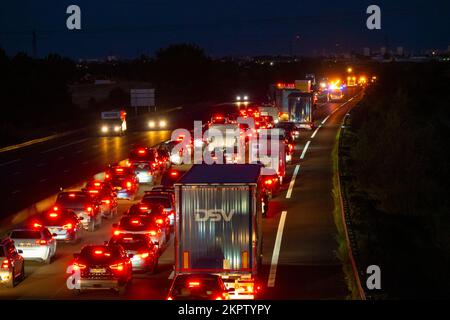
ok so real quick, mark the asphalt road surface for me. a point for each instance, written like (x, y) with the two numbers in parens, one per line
(299, 250)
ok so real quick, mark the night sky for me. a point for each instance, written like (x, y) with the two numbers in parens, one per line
(127, 28)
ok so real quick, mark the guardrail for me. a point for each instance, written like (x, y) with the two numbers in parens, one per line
(351, 242)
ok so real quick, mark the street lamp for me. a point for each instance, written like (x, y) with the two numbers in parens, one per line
(349, 70)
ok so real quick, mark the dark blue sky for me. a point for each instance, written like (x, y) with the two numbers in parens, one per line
(127, 28)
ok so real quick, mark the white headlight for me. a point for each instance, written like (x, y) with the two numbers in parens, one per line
(162, 124)
(245, 98)
(116, 128)
(238, 98)
(151, 124)
(104, 129)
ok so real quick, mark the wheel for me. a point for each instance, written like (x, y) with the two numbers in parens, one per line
(121, 290)
(155, 267)
(77, 292)
(22, 272)
(74, 239)
(91, 226)
(99, 220)
(48, 260)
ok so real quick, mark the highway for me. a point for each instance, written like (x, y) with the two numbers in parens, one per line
(299, 260)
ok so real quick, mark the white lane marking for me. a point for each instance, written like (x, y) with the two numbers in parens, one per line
(65, 145)
(315, 132)
(9, 162)
(325, 120)
(43, 180)
(276, 251)
(291, 185)
(79, 151)
(15, 191)
(304, 150)
(66, 170)
(61, 158)
(171, 275)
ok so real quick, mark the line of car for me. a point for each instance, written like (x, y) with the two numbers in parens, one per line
(136, 241)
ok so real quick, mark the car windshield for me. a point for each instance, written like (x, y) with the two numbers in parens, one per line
(57, 218)
(135, 156)
(73, 200)
(131, 242)
(146, 209)
(195, 287)
(25, 234)
(136, 223)
(100, 254)
(140, 166)
(152, 199)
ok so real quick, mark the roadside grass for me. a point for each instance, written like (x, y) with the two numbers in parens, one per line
(342, 253)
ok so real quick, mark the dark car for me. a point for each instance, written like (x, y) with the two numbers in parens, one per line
(12, 266)
(124, 181)
(141, 224)
(64, 223)
(145, 253)
(166, 198)
(104, 192)
(102, 267)
(198, 287)
(156, 212)
(83, 205)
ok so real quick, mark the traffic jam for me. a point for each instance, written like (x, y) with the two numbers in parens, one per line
(204, 195)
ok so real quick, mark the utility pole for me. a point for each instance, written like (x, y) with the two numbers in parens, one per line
(34, 44)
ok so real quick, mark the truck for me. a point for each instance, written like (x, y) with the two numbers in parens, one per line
(301, 109)
(113, 122)
(269, 110)
(303, 85)
(279, 95)
(218, 220)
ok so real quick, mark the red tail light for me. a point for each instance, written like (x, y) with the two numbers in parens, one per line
(37, 225)
(268, 182)
(107, 176)
(78, 266)
(89, 209)
(5, 264)
(129, 184)
(174, 173)
(117, 267)
(159, 221)
(143, 208)
(193, 284)
(135, 221)
(93, 191)
(141, 151)
(98, 252)
(152, 232)
(116, 232)
(55, 208)
(97, 184)
(68, 226)
(53, 215)
(169, 298)
(106, 201)
(144, 255)
(41, 242)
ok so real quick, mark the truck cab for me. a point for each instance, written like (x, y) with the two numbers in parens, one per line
(113, 123)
